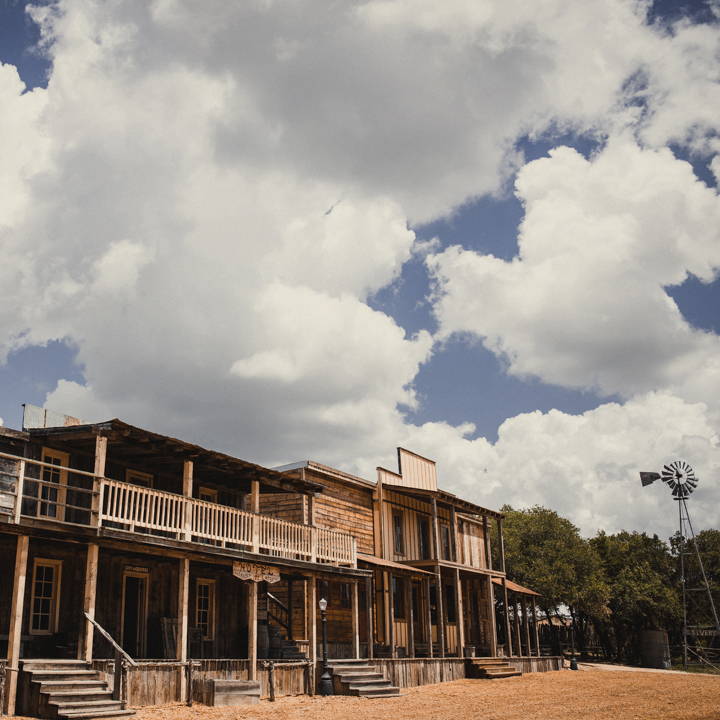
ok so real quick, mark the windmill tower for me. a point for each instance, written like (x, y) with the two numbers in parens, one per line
(681, 480)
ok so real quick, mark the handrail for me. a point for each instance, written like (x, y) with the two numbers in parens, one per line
(277, 601)
(109, 638)
(32, 461)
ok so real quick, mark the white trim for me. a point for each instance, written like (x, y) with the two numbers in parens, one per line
(211, 583)
(141, 574)
(54, 600)
(59, 503)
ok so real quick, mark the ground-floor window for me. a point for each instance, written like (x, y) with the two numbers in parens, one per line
(45, 592)
(205, 608)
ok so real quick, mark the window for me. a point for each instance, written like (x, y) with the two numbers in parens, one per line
(205, 608)
(208, 494)
(135, 477)
(398, 533)
(54, 498)
(45, 592)
(398, 586)
(424, 537)
(450, 607)
(345, 599)
(445, 532)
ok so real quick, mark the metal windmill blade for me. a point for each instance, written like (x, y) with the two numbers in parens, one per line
(680, 478)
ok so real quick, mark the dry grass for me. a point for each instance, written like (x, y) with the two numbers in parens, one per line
(565, 695)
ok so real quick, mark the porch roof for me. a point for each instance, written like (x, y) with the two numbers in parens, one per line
(390, 564)
(446, 498)
(515, 587)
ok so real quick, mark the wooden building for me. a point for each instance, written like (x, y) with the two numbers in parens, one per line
(115, 539)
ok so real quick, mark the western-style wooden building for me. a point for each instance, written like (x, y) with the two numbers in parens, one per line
(142, 569)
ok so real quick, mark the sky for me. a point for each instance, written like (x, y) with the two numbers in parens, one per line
(485, 231)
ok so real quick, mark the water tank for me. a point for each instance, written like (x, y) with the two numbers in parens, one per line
(654, 649)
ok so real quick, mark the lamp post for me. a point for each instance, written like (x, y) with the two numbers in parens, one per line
(326, 686)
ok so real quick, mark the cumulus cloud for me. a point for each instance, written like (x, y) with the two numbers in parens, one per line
(203, 201)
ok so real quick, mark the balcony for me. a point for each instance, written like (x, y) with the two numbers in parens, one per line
(44, 491)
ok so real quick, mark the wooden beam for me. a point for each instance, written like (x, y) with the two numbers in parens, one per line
(454, 536)
(378, 510)
(526, 624)
(440, 613)
(252, 607)
(99, 471)
(391, 605)
(410, 616)
(182, 629)
(501, 540)
(19, 489)
(355, 621)
(518, 637)
(369, 604)
(85, 647)
(460, 614)
(291, 608)
(486, 540)
(428, 615)
(436, 529)
(312, 599)
(535, 628)
(506, 606)
(255, 508)
(16, 619)
(490, 590)
(188, 493)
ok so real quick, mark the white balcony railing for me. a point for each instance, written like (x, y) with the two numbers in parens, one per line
(41, 490)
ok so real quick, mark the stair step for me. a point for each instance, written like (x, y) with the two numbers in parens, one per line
(50, 685)
(362, 682)
(86, 704)
(95, 713)
(37, 674)
(378, 690)
(356, 677)
(79, 695)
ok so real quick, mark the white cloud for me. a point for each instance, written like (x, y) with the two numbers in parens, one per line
(203, 200)
(584, 305)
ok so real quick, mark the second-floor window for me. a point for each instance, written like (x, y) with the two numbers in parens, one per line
(447, 549)
(53, 504)
(424, 537)
(398, 540)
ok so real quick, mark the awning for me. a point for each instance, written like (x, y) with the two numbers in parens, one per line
(514, 587)
(391, 565)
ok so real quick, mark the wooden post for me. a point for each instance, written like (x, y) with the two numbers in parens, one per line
(85, 647)
(255, 508)
(486, 540)
(491, 616)
(369, 597)
(518, 636)
(355, 620)
(312, 595)
(99, 472)
(410, 616)
(526, 624)
(436, 529)
(252, 630)
(506, 605)
(535, 628)
(460, 614)
(182, 629)
(428, 613)
(385, 595)
(501, 540)
(378, 525)
(189, 681)
(19, 489)
(187, 492)
(391, 615)
(16, 619)
(454, 553)
(440, 613)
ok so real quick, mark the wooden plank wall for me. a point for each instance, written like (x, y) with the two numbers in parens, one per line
(345, 507)
(536, 664)
(413, 672)
(410, 509)
(283, 506)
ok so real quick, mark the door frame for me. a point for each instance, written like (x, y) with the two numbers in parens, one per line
(140, 574)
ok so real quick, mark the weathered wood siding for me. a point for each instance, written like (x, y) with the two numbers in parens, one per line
(345, 507)
(413, 672)
(536, 664)
(283, 506)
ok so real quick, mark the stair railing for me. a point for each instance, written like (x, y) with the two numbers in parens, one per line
(280, 613)
(122, 660)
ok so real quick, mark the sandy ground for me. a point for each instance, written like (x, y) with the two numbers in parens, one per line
(565, 695)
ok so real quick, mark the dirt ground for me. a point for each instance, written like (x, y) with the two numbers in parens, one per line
(565, 695)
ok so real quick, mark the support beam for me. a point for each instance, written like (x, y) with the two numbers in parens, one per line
(486, 541)
(355, 610)
(99, 472)
(440, 613)
(369, 604)
(291, 609)
(411, 617)
(182, 629)
(252, 607)
(16, 618)
(506, 606)
(19, 490)
(459, 609)
(378, 524)
(518, 637)
(428, 615)
(85, 647)
(454, 551)
(490, 591)
(526, 624)
(386, 608)
(501, 540)
(535, 628)
(255, 508)
(187, 492)
(391, 604)
(312, 635)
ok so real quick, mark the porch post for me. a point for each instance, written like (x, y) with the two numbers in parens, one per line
(312, 635)
(486, 541)
(440, 612)
(526, 624)
(19, 490)
(391, 604)
(182, 628)
(99, 472)
(291, 608)
(460, 614)
(410, 616)
(428, 615)
(454, 552)
(355, 620)
(187, 492)
(255, 508)
(369, 603)
(518, 637)
(252, 629)
(491, 616)
(16, 618)
(535, 629)
(85, 648)
(506, 605)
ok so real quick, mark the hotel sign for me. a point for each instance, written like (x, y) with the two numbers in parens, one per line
(256, 573)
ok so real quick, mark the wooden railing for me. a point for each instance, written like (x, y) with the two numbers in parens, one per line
(81, 498)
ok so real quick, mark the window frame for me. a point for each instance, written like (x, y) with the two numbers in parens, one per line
(54, 614)
(210, 583)
(139, 478)
(209, 492)
(59, 502)
(399, 604)
(398, 532)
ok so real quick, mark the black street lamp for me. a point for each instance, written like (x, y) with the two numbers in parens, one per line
(326, 685)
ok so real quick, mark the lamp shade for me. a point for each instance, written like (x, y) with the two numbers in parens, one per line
(323, 604)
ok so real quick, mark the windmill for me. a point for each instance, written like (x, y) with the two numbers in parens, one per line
(680, 478)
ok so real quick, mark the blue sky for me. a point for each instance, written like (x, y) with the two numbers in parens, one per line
(390, 144)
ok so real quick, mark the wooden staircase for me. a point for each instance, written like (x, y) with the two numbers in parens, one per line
(491, 669)
(67, 689)
(361, 678)
(281, 648)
